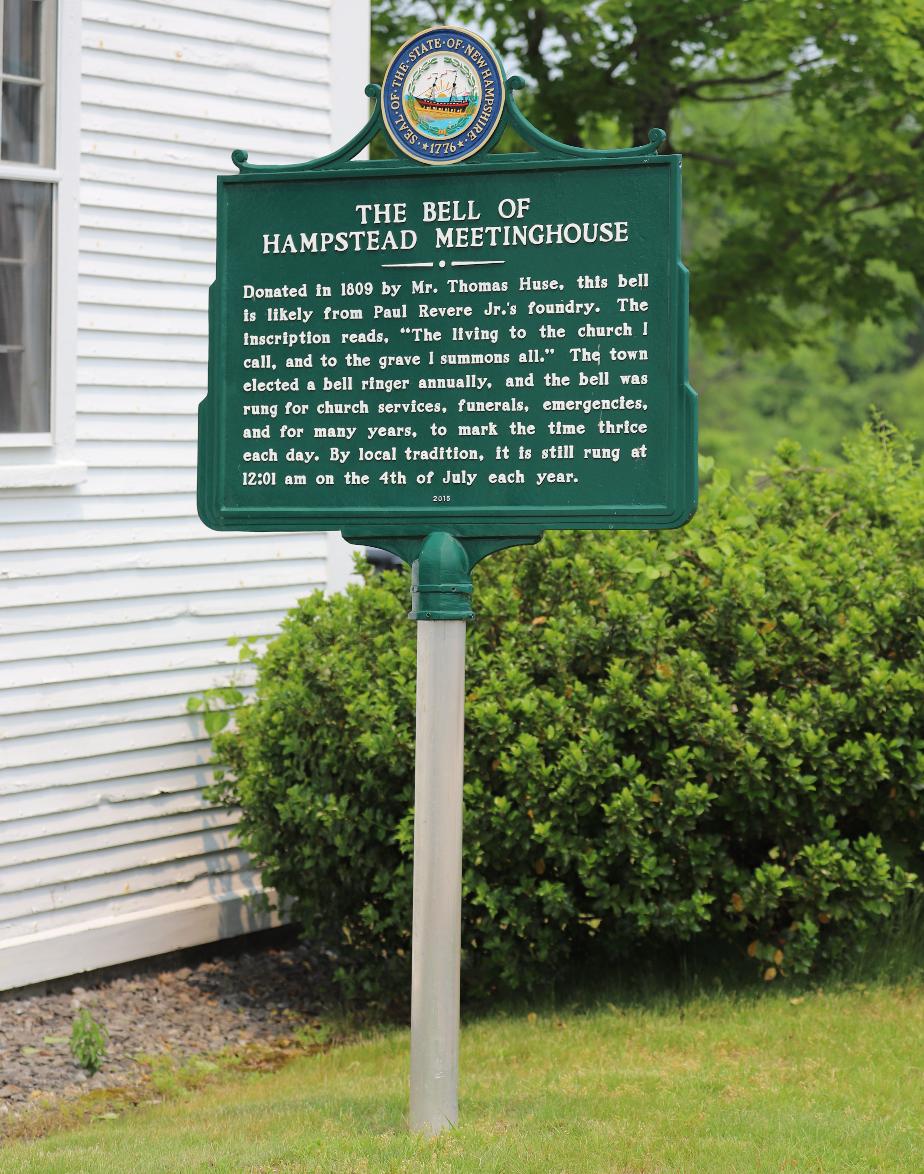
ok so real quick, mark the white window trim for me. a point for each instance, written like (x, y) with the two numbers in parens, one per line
(49, 460)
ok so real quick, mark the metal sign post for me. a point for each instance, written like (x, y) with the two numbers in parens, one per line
(441, 592)
(444, 354)
(437, 928)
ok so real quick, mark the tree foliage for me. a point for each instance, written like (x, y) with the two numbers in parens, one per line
(819, 392)
(802, 125)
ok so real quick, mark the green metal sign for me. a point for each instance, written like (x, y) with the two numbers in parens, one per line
(486, 350)
(444, 354)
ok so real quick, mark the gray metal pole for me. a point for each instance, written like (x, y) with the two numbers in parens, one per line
(437, 929)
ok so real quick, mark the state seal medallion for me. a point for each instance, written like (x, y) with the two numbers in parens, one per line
(443, 96)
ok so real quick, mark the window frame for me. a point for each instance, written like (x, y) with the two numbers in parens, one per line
(39, 459)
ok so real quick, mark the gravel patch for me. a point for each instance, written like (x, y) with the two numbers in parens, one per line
(184, 1010)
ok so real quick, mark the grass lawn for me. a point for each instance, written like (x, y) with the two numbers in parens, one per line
(827, 1082)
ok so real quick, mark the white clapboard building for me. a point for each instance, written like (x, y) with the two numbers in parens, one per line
(116, 603)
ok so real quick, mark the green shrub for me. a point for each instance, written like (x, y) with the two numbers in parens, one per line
(717, 729)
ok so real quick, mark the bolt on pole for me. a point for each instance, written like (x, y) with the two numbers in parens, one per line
(437, 929)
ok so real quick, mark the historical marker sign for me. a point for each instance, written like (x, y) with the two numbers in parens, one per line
(489, 348)
(447, 360)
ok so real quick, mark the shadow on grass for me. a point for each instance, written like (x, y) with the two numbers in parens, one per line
(668, 978)
(894, 952)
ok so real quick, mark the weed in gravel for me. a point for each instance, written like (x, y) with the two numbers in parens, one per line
(88, 1042)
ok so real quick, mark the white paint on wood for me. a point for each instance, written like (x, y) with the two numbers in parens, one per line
(105, 586)
(116, 604)
(105, 665)
(93, 795)
(123, 151)
(185, 600)
(156, 126)
(182, 273)
(48, 953)
(114, 702)
(70, 746)
(53, 475)
(201, 551)
(174, 629)
(90, 507)
(243, 61)
(193, 880)
(52, 775)
(103, 862)
(21, 833)
(274, 24)
(110, 291)
(138, 887)
(55, 848)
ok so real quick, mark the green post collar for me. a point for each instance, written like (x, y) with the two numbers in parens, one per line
(441, 568)
(441, 580)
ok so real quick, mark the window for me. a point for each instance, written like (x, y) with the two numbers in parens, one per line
(27, 95)
(39, 206)
(25, 307)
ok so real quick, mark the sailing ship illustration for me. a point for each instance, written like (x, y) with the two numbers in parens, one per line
(438, 102)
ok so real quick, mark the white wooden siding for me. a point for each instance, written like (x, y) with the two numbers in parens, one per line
(115, 602)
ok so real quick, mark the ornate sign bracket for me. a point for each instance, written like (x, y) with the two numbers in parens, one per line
(512, 118)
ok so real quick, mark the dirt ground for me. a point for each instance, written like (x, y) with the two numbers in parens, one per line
(186, 1005)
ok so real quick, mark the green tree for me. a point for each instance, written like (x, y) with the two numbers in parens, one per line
(819, 392)
(802, 124)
